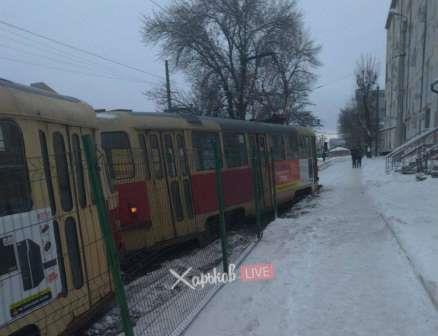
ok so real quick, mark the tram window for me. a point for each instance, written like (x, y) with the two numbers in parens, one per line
(47, 170)
(278, 148)
(142, 141)
(62, 171)
(188, 198)
(15, 195)
(60, 257)
(292, 147)
(235, 150)
(157, 166)
(2, 141)
(77, 155)
(119, 155)
(170, 155)
(182, 155)
(74, 256)
(204, 147)
(174, 187)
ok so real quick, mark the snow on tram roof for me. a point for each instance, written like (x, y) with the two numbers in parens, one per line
(40, 102)
(130, 118)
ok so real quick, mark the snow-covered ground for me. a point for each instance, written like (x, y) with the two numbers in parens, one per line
(339, 269)
(155, 307)
(410, 208)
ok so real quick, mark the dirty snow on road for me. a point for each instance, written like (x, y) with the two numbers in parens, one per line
(339, 271)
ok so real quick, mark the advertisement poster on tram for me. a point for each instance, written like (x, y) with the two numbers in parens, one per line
(29, 272)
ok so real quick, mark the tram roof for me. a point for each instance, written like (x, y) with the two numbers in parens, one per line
(32, 102)
(115, 119)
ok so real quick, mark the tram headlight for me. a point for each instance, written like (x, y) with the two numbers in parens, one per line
(133, 210)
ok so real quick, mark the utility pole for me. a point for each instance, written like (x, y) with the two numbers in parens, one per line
(169, 97)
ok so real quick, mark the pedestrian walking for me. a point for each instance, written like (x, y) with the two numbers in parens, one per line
(359, 154)
(354, 157)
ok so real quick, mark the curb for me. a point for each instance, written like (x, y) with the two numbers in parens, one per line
(430, 287)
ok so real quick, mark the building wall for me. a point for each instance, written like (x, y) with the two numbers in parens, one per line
(411, 67)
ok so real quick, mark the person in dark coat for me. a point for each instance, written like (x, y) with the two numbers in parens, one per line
(354, 157)
(359, 154)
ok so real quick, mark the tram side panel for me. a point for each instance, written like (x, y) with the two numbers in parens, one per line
(56, 269)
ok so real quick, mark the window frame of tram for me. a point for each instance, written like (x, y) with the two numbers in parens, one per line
(292, 147)
(47, 170)
(62, 172)
(79, 170)
(74, 254)
(143, 147)
(185, 171)
(156, 159)
(16, 171)
(169, 153)
(235, 150)
(118, 140)
(278, 153)
(203, 149)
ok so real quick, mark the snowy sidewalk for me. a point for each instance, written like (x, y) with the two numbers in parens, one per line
(410, 208)
(339, 271)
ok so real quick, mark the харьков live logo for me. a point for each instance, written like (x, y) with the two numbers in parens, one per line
(248, 273)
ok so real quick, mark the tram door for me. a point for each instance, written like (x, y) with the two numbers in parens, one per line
(259, 147)
(160, 202)
(178, 180)
(69, 207)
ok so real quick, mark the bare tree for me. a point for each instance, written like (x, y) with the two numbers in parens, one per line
(350, 126)
(224, 45)
(284, 85)
(367, 76)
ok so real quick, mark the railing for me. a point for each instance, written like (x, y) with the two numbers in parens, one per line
(411, 149)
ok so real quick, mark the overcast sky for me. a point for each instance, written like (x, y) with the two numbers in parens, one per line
(345, 29)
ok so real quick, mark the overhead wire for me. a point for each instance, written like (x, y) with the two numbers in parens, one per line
(56, 68)
(77, 49)
(28, 42)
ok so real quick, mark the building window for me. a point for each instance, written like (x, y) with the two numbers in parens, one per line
(427, 119)
(278, 148)
(15, 194)
(204, 147)
(170, 155)
(79, 169)
(74, 255)
(157, 167)
(119, 154)
(62, 171)
(47, 170)
(235, 150)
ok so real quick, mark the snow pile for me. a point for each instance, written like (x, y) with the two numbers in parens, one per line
(410, 207)
(338, 271)
(157, 309)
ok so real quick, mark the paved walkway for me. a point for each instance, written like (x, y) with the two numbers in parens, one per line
(339, 271)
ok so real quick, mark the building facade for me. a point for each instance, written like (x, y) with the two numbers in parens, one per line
(411, 68)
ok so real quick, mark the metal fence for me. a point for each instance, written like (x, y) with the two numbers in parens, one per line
(165, 281)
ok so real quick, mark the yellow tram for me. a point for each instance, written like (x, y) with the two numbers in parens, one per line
(163, 168)
(53, 271)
